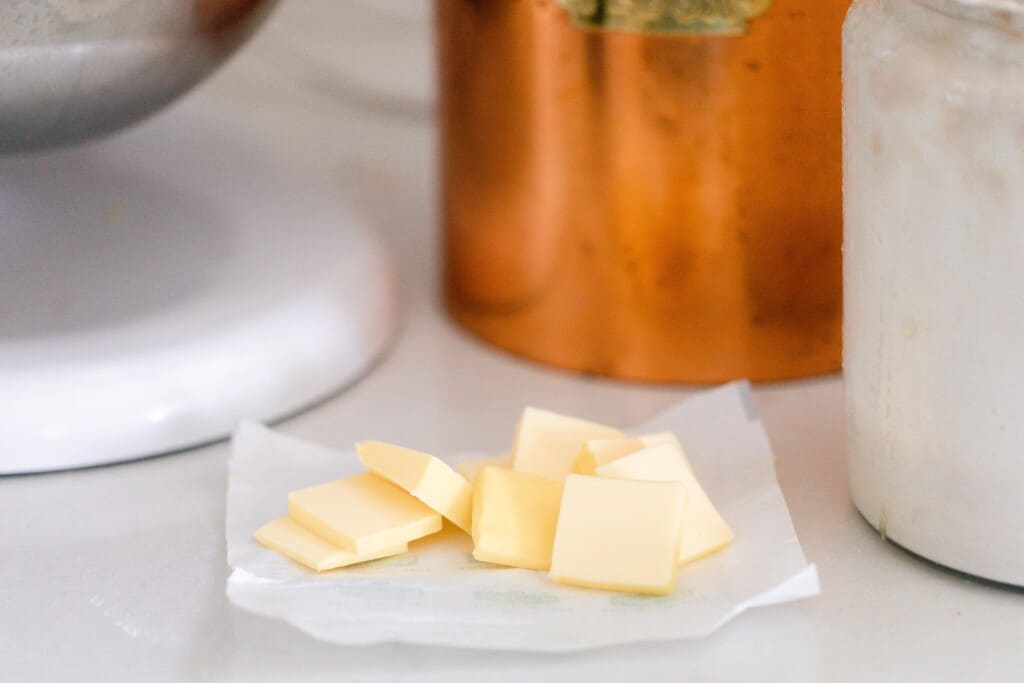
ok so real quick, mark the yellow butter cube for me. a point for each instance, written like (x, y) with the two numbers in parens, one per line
(547, 444)
(514, 518)
(597, 452)
(470, 469)
(427, 478)
(618, 534)
(294, 541)
(364, 514)
(704, 530)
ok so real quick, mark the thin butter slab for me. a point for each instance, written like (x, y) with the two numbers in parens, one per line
(547, 444)
(704, 530)
(363, 513)
(618, 534)
(514, 518)
(426, 477)
(294, 541)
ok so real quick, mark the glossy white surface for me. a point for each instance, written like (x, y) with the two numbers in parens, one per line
(117, 574)
(162, 285)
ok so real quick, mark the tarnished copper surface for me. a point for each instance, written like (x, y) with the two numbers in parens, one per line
(644, 206)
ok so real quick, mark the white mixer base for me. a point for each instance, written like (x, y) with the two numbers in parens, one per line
(160, 285)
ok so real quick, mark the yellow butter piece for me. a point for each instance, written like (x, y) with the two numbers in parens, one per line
(704, 530)
(660, 438)
(294, 541)
(470, 469)
(548, 444)
(597, 452)
(514, 518)
(660, 463)
(619, 534)
(364, 514)
(427, 478)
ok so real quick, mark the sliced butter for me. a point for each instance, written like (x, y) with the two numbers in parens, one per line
(290, 539)
(704, 530)
(660, 463)
(547, 444)
(618, 534)
(364, 514)
(659, 438)
(514, 518)
(597, 452)
(470, 469)
(427, 478)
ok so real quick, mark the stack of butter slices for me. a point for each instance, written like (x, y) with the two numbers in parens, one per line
(579, 500)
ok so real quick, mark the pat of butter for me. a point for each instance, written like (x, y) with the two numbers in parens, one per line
(597, 452)
(660, 463)
(290, 539)
(618, 534)
(364, 514)
(424, 476)
(470, 469)
(514, 518)
(704, 530)
(547, 444)
(661, 439)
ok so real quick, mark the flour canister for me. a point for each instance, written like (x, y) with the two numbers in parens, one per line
(934, 104)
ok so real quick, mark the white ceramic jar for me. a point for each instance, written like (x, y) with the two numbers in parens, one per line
(934, 277)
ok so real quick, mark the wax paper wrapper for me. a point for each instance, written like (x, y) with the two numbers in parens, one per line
(437, 594)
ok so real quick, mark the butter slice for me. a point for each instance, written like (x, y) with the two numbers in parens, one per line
(652, 440)
(470, 469)
(661, 463)
(618, 534)
(296, 542)
(597, 452)
(704, 530)
(514, 518)
(364, 514)
(427, 478)
(547, 444)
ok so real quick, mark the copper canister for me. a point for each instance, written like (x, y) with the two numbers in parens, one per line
(645, 189)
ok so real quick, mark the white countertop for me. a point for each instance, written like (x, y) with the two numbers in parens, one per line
(117, 573)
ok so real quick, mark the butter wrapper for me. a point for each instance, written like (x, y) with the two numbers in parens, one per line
(437, 594)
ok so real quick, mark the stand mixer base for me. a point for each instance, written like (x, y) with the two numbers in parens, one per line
(161, 285)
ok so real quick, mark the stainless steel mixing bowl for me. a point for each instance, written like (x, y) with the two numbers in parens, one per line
(76, 69)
